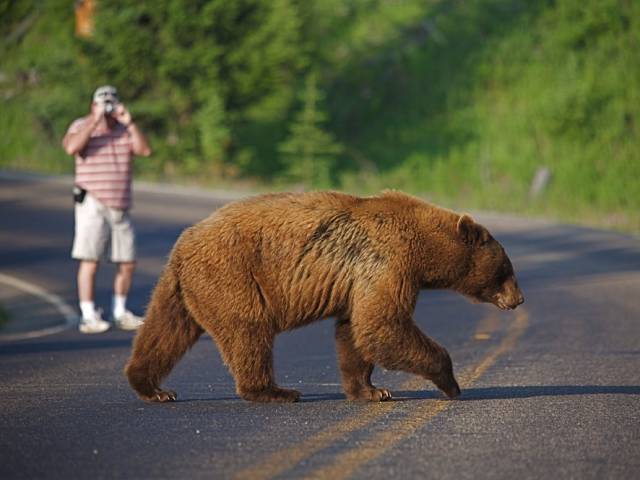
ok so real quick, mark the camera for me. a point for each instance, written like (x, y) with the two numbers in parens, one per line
(107, 96)
(109, 107)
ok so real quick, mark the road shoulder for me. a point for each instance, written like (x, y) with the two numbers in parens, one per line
(32, 311)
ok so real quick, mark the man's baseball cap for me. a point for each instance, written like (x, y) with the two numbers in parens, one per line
(106, 93)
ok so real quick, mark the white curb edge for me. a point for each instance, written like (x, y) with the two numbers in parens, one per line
(68, 313)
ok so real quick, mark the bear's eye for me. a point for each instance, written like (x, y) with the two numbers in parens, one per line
(504, 272)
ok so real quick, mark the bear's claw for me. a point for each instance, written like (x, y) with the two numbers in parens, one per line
(371, 395)
(162, 396)
(381, 395)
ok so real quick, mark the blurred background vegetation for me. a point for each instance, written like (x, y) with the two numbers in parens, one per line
(461, 102)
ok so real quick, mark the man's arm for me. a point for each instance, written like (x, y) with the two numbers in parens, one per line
(74, 142)
(139, 144)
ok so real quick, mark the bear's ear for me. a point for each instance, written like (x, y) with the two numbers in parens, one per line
(470, 232)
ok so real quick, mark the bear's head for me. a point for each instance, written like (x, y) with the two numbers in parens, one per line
(490, 277)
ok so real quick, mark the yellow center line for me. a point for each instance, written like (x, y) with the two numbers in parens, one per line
(487, 326)
(289, 457)
(348, 462)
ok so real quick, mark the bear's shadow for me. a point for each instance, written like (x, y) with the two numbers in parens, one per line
(505, 393)
(471, 394)
(305, 398)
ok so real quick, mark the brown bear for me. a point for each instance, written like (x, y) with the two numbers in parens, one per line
(271, 263)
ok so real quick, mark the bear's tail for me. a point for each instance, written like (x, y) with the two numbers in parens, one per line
(167, 333)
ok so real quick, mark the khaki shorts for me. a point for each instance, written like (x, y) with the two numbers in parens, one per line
(99, 227)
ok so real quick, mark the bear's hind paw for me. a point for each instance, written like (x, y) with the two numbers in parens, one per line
(273, 394)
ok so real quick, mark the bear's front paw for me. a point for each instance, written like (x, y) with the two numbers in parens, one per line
(371, 394)
(273, 394)
(162, 396)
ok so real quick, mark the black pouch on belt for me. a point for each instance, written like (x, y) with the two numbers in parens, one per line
(78, 194)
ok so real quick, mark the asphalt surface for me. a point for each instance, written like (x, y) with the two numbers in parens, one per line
(551, 390)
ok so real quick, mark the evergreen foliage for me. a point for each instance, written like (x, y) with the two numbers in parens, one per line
(309, 151)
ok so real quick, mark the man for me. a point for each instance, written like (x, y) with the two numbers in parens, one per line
(103, 144)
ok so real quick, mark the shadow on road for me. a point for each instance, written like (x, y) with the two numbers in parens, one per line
(305, 398)
(505, 393)
(563, 253)
(82, 342)
(489, 393)
(65, 345)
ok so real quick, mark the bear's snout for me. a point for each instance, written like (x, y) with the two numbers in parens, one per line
(448, 385)
(509, 302)
(454, 391)
(510, 295)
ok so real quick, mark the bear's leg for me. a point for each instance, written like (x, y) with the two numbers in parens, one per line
(167, 333)
(384, 333)
(355, 370)
(248, 351)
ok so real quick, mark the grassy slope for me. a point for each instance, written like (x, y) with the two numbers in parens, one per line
(504, 88)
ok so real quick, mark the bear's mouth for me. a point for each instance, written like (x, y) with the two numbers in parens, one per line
(497, 300)
(500, 302)
(503, 306)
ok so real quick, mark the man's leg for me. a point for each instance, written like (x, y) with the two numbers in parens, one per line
(124, 275)
(92, 321)
(86, 288)
(121, 286)
(86, 280)
(123, 253)
(91, 235)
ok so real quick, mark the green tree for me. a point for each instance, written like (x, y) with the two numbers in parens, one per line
(214, 134)
(202, 73)
(309, 151)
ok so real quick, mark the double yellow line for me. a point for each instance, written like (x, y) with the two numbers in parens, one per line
(347, 462)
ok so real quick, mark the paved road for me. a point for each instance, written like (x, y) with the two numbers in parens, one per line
(549, 391)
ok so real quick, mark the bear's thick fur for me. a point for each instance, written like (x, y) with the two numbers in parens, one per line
(271, 263)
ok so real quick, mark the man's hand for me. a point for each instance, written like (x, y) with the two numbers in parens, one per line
(140, 146)
(97, 112)
(122, 115)
(73, 143)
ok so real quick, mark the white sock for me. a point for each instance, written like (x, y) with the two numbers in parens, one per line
(119, 305)
(88, 309)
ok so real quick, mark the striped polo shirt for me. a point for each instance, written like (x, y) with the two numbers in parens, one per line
(104, 166)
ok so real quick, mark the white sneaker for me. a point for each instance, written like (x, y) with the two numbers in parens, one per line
(94, 324)
(128, 321)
